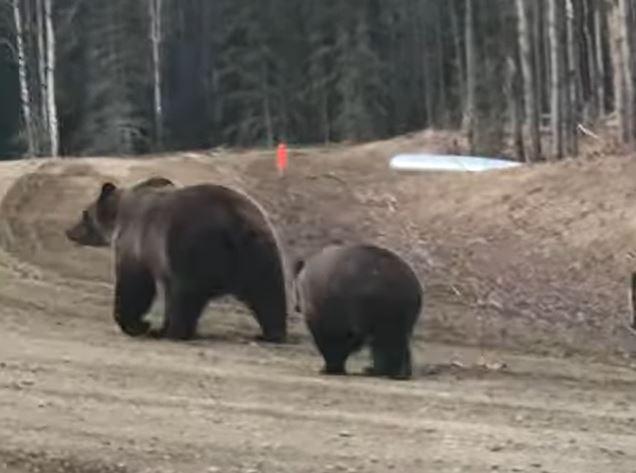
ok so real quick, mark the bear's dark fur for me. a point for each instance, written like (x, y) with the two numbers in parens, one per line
(358, 294)
(197, 242)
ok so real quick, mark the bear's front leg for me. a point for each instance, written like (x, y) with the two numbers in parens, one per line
(159, 332)
(134, 293)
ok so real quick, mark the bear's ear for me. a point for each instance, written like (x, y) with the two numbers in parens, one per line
(299, 264)
(107, 189)
(107, 203)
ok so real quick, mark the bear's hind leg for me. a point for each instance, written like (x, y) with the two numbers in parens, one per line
(269, 310)
(335, 349)
(182, 312)
(391, 358)
(263, 292)
(400, 368)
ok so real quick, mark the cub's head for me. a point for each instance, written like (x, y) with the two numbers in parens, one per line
(96, 223)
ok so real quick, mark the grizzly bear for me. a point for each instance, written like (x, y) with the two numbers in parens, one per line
(352, 295)
(196, 242)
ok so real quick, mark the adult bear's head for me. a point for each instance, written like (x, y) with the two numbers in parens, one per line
(98, 220)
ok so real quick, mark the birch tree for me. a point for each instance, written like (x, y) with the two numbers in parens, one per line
(556, 82)
(155, 12)
(25, 95)
(50, 80)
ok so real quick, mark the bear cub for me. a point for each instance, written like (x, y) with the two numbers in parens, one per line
(355, 295)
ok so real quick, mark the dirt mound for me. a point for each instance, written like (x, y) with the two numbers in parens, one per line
(37, 208)
(531, 258)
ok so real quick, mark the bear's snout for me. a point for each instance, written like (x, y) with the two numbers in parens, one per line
(74, 233)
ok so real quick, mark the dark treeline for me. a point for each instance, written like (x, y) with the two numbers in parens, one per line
(81, 77)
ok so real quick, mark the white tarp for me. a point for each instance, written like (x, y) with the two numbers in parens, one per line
(440, 162)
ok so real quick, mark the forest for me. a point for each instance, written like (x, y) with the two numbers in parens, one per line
(122, 77)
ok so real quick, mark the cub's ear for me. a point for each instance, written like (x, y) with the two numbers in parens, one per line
(299, 264)
(107, 189)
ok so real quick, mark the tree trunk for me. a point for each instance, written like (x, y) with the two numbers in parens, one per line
(267, 110)
(50, 79)
(471, 74)
(555, 79)
(592, 106)
(429, 91)
(626, 51)
(618, 71)
(599, 14)
(156, 38)
(515, 109)
(25, 96)
(41, 32)
(442, 102)
(533, 152)
(459, 55)
(572, 90)
(540, 59)
(324, 114)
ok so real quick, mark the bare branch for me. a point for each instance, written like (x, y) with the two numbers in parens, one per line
(588, 132)
(9, 45)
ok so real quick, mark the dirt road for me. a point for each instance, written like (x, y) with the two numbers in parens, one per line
(76, 395)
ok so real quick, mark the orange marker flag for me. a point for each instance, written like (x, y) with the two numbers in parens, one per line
(281, 157)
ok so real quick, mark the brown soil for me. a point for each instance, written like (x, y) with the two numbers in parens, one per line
(523, 355)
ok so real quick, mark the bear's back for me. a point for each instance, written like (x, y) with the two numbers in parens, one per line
(361, 270)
